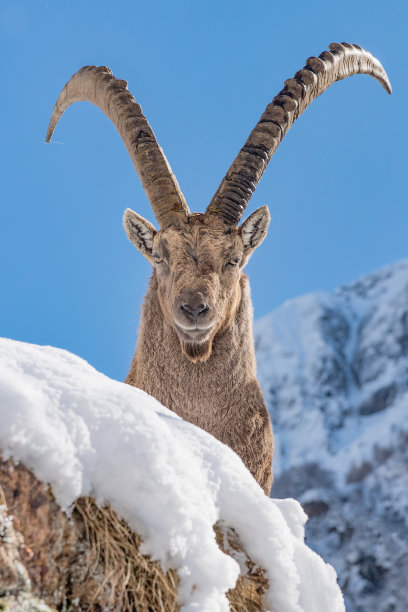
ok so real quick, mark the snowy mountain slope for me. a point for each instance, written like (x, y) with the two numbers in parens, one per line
(334, 371)
(86, 434)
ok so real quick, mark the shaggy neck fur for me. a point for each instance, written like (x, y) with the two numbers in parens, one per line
(220, 395)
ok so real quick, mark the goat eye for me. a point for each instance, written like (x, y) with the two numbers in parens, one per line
(232, 263)
(158, 259)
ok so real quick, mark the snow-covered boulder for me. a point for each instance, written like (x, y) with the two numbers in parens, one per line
(87, 435)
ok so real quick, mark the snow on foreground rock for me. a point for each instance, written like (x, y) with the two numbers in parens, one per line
(86, 434)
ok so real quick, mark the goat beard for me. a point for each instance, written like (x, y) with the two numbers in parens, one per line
(197, 351)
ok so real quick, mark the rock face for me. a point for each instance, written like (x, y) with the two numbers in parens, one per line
(43, 553)
(334, 371)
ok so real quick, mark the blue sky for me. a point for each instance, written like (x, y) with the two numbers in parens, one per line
(203, 73)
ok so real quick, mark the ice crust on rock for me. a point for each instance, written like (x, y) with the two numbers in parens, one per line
(86, 434)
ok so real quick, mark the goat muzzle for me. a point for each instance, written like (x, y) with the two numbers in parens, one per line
(193, 315)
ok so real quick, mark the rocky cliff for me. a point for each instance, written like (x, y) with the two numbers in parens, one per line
(334, 371)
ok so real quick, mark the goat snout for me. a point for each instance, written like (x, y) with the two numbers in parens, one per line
(193, 304)
(192, 311)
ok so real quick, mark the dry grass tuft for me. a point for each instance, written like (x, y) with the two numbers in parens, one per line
(252, 583)
(131, 580)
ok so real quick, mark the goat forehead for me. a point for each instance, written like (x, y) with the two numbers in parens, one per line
(201, 242)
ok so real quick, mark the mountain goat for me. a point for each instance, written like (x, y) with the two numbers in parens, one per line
(195, 351)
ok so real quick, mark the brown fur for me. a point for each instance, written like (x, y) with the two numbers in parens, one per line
(210, 383)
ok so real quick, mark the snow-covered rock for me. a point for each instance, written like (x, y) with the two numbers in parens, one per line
(88, 435)
(334, 372)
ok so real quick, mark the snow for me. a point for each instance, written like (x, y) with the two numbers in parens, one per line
(86, 434)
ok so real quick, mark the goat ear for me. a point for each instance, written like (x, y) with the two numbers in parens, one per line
(140, 232)
(253, 230)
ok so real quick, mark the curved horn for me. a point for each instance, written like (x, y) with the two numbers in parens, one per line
(236, 188)
(99, 86)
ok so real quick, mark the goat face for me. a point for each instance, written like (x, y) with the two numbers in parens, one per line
(198, 264)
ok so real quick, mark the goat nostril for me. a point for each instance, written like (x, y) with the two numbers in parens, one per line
(202, 309)
(187, 308)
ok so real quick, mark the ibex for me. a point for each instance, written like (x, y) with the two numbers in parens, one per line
(195, 351)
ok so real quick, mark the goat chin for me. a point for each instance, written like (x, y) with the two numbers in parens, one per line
(197, 351)
(194, 335)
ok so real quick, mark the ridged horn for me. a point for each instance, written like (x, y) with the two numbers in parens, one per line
(97, 84)
(236, 188)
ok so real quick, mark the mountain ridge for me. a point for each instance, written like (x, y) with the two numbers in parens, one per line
(334, 371)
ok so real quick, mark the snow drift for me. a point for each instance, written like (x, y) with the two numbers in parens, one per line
(88, 435)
